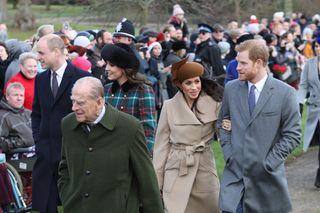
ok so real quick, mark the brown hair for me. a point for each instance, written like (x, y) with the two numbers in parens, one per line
(135, 77)
(257, 50)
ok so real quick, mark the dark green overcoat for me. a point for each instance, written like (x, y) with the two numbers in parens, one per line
(105, 170)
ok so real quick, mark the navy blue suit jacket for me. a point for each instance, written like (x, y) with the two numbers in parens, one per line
(47, 113)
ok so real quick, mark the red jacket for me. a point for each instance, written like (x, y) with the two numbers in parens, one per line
(28, 86)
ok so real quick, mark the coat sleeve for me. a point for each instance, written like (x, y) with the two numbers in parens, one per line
(144, 172)
(36, 113)
(290, 132)
(147, 111)
(63, 171)
(304, 84)
(162, 145)
(225, 135)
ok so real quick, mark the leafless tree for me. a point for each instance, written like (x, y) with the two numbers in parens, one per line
(3, 10)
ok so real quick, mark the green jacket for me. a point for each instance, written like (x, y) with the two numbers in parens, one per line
(106, 169)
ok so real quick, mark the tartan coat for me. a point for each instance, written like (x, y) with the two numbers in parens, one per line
(137, 100)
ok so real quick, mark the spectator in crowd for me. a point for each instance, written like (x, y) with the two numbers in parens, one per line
(28, 71)
(78, 53)
(118, 173)
(224, 48)
(15, 120)
(218, 33)
(160, 72)
(259, 124)
(178, 52)
(50, 104)
(183, 158)
(232, 40)
(125, 34)
(129, 90)
(178, 21)
(4, 63)
(94, 55)
(15, 48)
(42, 31)
(3, 33)
(310, 84)
(208, 54)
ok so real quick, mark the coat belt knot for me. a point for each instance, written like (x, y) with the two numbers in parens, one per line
(188, 159)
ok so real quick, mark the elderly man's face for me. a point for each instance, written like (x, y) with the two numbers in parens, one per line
(86, 108)
(29, 68)
(15, 97)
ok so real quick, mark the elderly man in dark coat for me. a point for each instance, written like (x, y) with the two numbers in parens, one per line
(105, 165)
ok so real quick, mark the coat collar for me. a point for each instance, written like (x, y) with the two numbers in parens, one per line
(125, 86)
(184, 115)
(109, 120)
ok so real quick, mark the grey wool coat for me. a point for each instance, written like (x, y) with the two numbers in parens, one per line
(107, 169)
(256, 146)
(310, 83)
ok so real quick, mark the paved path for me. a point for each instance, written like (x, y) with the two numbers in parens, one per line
(301, 174)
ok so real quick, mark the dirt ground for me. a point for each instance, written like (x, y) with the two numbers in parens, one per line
(301, 174)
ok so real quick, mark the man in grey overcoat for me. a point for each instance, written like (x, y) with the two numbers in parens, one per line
(259, 126)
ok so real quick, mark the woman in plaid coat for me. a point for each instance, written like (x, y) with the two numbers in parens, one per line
(129, 91)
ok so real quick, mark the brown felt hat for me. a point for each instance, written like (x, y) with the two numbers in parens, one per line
(183, 70)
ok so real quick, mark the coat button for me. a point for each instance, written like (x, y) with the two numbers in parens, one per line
(121, 107)
(90, 149)
(86, 195)
(88, 172)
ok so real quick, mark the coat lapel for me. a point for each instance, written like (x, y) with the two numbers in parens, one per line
(66, 78)
(242, 100)
(263, 98)
(183, 114)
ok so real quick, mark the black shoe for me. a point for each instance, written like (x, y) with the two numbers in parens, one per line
(317, 182)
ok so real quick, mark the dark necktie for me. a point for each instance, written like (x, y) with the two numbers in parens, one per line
(87, 127)
(54, 84)
(252, 99)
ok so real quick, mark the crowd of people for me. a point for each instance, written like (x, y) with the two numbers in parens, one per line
(124, 122)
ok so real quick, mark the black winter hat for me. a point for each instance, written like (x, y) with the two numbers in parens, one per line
(204, 28)
(125, 28)
(120, 55)
(244, 37)
(178, 45)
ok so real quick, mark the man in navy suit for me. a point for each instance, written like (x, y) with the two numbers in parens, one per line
(51, 103)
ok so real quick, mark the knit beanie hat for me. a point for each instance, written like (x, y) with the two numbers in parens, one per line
(183, 70)
(81, 41)
(224, 47)
(151, 46)
(177, 10)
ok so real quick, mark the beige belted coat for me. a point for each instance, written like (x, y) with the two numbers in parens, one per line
(183, 158)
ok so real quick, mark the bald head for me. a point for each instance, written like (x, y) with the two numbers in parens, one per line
(91, 86)
(53, 41)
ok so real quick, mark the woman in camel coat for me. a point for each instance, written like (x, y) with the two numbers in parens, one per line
(183, 158)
